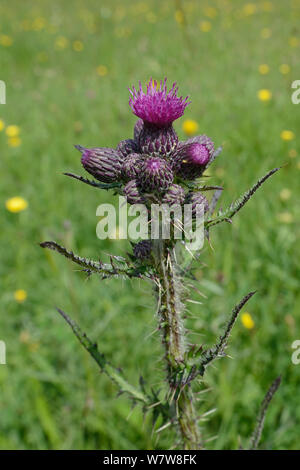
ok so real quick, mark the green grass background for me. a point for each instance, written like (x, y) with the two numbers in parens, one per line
(52, 395)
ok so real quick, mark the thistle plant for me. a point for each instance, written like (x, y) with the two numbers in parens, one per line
(155, 167)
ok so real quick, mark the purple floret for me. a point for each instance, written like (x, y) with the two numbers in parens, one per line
(198, 154)
(192, 157)
(155, 174)
(157, 106)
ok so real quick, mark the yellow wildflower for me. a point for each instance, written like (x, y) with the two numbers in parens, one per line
(284, 69)
(77, 46)
(190, 126)
(250, 9)
(38, 23)
(61, 42)
(285, 194)
(2, 125)
(14, 141)
(5, 40)
(12, 131)
(16, 204)
(285, 217)
(266, 33)
(247, 321)
(264, 95)
(179, 17)
(211, 12)
(24, 337)
(294, 42)
(267, 6)
(293, 153)
(205, 26)
(20, 295)
(287, 135)
(102, 70)
(264, 69)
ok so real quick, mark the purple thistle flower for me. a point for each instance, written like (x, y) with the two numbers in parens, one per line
(155, 174)
(174, 195)
(195, 199)
(125, 147)
(131, 166)
(157, 141)
(103, 163)
(157, 106)
(192, 156)
(132, 193)
(142, 250)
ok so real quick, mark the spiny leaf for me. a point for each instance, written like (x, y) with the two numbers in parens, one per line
(220, 347)
(235, 207)
(262, 413)
(216, 351)
(95, 184)
(113, 373)
(104, 269)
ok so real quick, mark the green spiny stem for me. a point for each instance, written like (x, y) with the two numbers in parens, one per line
(187, 419)
(173, 337)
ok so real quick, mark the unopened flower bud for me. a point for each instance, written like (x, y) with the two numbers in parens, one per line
(195, 199)
(191, 157)
(142, 250)
(125, 147)
(131, 166)
(174, 195)
(155, 174)
(103, 163)
(132, 193)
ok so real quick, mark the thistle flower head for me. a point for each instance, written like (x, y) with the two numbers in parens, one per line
(157, 141)
(157, 106)
(197, 198)
(142, 250)
(125, 147)
(191, 157)
(174, 195)
(131, 166)
(132, 193)
(103, 163)
(197, 154)
(155, 174)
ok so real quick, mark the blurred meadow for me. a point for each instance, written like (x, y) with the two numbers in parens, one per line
(67, 66)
